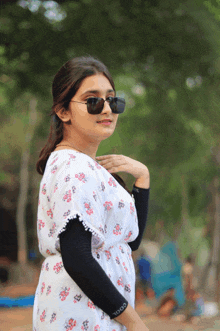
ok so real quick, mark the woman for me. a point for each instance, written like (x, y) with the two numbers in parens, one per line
(87, 222)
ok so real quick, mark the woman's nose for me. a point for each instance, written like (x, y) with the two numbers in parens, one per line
(106, 108)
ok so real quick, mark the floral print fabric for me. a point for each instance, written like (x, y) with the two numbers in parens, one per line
(74, 184)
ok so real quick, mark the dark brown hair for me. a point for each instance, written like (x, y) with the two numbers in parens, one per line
(65, 85)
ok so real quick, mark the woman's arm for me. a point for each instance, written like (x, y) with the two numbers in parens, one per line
(120, 163)
(79, 263)
(141, 197)
(75, 244)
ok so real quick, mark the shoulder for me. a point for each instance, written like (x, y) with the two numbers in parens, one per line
(71, 159)
(66, 164)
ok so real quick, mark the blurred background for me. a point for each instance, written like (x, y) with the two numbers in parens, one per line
(164, 56)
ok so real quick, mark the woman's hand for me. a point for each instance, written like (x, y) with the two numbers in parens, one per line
(120, 163)
(131, 320)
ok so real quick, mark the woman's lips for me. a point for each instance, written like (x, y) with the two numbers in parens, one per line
(105, 122)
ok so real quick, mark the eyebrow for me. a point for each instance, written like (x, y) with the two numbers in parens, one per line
(97, 91)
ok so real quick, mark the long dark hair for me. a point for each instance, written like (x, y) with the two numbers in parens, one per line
(65, 85)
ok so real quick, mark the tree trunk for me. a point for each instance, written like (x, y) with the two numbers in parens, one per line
(216, 239)
(23, 192)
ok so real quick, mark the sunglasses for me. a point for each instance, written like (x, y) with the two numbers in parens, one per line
(95, 105)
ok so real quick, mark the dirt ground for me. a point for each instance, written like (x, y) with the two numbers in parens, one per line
(20, 319)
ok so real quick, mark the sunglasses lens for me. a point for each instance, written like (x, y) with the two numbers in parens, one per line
(117, 105)
(95, 105)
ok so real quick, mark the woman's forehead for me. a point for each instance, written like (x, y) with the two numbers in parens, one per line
(96, 84)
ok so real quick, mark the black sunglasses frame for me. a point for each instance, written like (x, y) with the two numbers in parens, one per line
(95, 105)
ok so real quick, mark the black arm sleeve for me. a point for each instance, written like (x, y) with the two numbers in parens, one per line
(75, 244)
(141, 196)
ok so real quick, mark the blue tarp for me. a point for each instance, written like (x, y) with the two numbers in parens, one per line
(144, 266)
(17, 302)
(165, 272)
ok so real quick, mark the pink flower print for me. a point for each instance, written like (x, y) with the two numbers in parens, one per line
(131, 208)
(43, 316)
(72, 157)
(108, 255)
(81, 176)
(89, 210)
(54, 169)
(48, 289)
(48, 252)
(53, 317)
(67, 196)
(64, 293)
(111, 182)
(54, 161)
(77, 298)
(73, 189)
(67, 178)
(97, 165)
(101, 229)
(54, 204)
(42, 288)
(117, 260)
(91, 304)
(97, 328)
(120, 282)
(50, 213)
(117, 230)
(105, 228)
(52, 230)
(128, 236)
(70, 324)
(108, 205)
(55, 187)
(102, 186)
(39, 202)
(94, 195)
(85, 325)
(121, 204)
(128, 288)
(42, 268)
(66, 214)
(43, 189)
(47, 266)
(121, 249)
(126, 269)
(90, 166)
(58, 267)
(41, 224)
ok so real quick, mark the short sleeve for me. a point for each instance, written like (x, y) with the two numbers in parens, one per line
(78, 194)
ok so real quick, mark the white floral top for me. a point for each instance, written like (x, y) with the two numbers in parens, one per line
(74, 184)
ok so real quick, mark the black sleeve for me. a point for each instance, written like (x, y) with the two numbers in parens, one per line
(141, 196)
(75, 244)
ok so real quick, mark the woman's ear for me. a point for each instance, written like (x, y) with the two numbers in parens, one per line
(64, 114)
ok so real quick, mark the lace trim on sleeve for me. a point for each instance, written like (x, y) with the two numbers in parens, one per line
(88, 227)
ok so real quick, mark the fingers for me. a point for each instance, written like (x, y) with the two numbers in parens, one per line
(105, 157)
(112, 163)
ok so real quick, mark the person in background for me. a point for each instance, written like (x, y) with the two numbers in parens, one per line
(88, 223)
(144, 272)
(187, 272)
(197, 308)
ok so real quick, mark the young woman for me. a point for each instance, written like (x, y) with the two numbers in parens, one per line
(87, 221)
